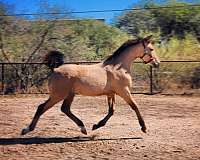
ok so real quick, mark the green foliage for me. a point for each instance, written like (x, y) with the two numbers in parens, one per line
(169, 21)
(176, 49)
(177, 21)
(85, 39)
(78, 40)
(100, 38)
(137, 22)
(176, 30)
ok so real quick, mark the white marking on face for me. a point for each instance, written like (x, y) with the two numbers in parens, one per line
(153, 53)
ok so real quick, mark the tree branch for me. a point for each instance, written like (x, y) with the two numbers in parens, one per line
(6, 56)
(2, 49)
(43, 36)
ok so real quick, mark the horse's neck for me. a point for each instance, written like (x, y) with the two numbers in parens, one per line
(127, 57)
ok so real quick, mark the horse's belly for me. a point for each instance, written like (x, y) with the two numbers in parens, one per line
(91, 87)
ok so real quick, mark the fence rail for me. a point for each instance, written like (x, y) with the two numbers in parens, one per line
(172, 76)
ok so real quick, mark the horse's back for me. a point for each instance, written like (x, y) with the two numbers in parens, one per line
(91, 80)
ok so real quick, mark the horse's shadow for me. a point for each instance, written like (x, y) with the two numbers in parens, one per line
(46, 140)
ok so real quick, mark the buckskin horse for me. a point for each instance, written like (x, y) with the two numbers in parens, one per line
(110, 77)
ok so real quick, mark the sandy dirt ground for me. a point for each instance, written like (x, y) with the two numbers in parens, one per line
(173, 133)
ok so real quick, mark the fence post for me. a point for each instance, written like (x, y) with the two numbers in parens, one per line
(2, 77)
(151, 80)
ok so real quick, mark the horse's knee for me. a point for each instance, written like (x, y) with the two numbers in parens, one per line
(64, 109)
(40, 109)
(133, 105)
(111, 111)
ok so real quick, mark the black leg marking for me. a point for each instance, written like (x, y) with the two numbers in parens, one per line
(101, 123)
(65, 108)
(40, 110)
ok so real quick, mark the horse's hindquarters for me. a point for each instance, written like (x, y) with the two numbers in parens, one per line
(59, 85)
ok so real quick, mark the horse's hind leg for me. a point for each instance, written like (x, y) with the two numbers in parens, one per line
(41, 109)
(111, 102)
(65, 108)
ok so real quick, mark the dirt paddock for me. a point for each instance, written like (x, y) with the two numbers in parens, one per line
(173, 124)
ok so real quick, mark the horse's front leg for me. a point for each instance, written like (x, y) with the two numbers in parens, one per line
(126, 95)
(111, 102)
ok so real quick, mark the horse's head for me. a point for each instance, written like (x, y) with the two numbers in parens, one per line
(149, 55)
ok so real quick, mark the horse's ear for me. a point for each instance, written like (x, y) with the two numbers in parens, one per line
(148, 38)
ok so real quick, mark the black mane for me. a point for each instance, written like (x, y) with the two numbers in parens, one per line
(123, 47)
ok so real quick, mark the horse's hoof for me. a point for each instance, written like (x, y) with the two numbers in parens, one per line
(25, 131)
(144, 129)
(83, 130)
(95, 127)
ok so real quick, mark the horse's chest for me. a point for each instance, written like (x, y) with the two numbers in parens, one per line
(122, 78)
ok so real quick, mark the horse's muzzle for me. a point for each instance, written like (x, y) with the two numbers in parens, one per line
(155, 64)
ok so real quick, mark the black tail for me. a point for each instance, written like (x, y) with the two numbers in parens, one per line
(54, 59)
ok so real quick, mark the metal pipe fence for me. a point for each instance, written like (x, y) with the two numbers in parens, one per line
(173, 77)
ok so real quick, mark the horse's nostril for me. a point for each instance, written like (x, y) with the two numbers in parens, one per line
(157, 65)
